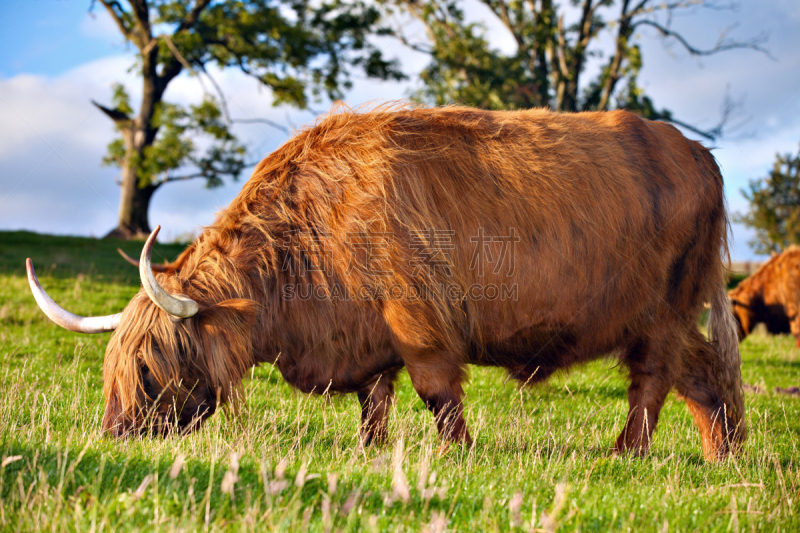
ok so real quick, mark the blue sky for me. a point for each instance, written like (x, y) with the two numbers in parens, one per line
(49, 37)
(57, 57)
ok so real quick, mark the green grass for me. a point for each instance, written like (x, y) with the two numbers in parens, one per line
(540, 453)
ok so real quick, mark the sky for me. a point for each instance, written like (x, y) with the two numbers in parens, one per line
(58, 56)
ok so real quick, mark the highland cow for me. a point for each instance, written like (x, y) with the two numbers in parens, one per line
(771, 295)
(431, 239)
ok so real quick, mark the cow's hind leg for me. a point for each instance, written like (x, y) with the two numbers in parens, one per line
(376, 401)
(437, 379)
(650, 374)
(698, 387)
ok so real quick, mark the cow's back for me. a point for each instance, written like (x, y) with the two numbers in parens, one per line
(606, 213)
(600, 209)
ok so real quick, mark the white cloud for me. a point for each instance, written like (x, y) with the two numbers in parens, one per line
(39, 110)
(54, 138)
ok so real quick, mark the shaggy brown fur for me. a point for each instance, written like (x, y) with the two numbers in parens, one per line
(770, 295)
(620, 228)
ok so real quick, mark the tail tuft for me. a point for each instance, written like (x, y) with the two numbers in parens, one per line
(723, 331)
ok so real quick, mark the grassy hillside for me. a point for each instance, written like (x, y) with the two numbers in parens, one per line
(288, 461)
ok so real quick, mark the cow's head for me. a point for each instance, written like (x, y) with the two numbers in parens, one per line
(172, 359)
(743, 315)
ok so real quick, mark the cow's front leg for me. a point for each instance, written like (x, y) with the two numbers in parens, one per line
(794, 327)
(437, 379)
(376, 401)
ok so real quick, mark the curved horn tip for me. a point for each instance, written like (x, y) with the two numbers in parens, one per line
(31, 272)
(135, 262)
(177, 306)
(32, 278)
(62, 317)
(127, 258)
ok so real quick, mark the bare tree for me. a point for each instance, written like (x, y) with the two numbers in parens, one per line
(548, 66)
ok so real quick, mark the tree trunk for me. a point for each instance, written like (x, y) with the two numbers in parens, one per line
(134, 204)
(134, 201)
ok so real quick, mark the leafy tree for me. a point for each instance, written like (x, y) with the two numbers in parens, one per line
(775, 206)
(548, 67)
(299, 49)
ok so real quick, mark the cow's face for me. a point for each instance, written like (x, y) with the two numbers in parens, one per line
(742, 314)
(164, 374)
(173, 358)
(158, 409)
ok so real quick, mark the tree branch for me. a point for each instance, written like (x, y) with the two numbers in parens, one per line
(711, 134)
(721, 45)
(621, 46)
(642, 9)
(562, 49)
(506, 19)
(119, 117)
(118, 17)
(175, 52)
(416, 47)
(584, 29)
(639, 9)
(267, 121)
(187, 177)
(223, 101)
(193, 16)
(560, 70)
(141, 12)
(171, 69)
(181, 178)
(570, 97)
(413, 8)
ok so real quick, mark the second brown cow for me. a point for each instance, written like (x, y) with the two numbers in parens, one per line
(770, 296)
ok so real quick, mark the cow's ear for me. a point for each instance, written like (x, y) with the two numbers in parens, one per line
(235, 311)
(227, 352)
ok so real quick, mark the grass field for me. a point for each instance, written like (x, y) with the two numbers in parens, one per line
(288, 461)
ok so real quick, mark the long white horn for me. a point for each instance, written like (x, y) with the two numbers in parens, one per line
(178, 306)
(62, 317)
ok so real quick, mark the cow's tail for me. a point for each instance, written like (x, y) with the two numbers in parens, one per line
(724, 334)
